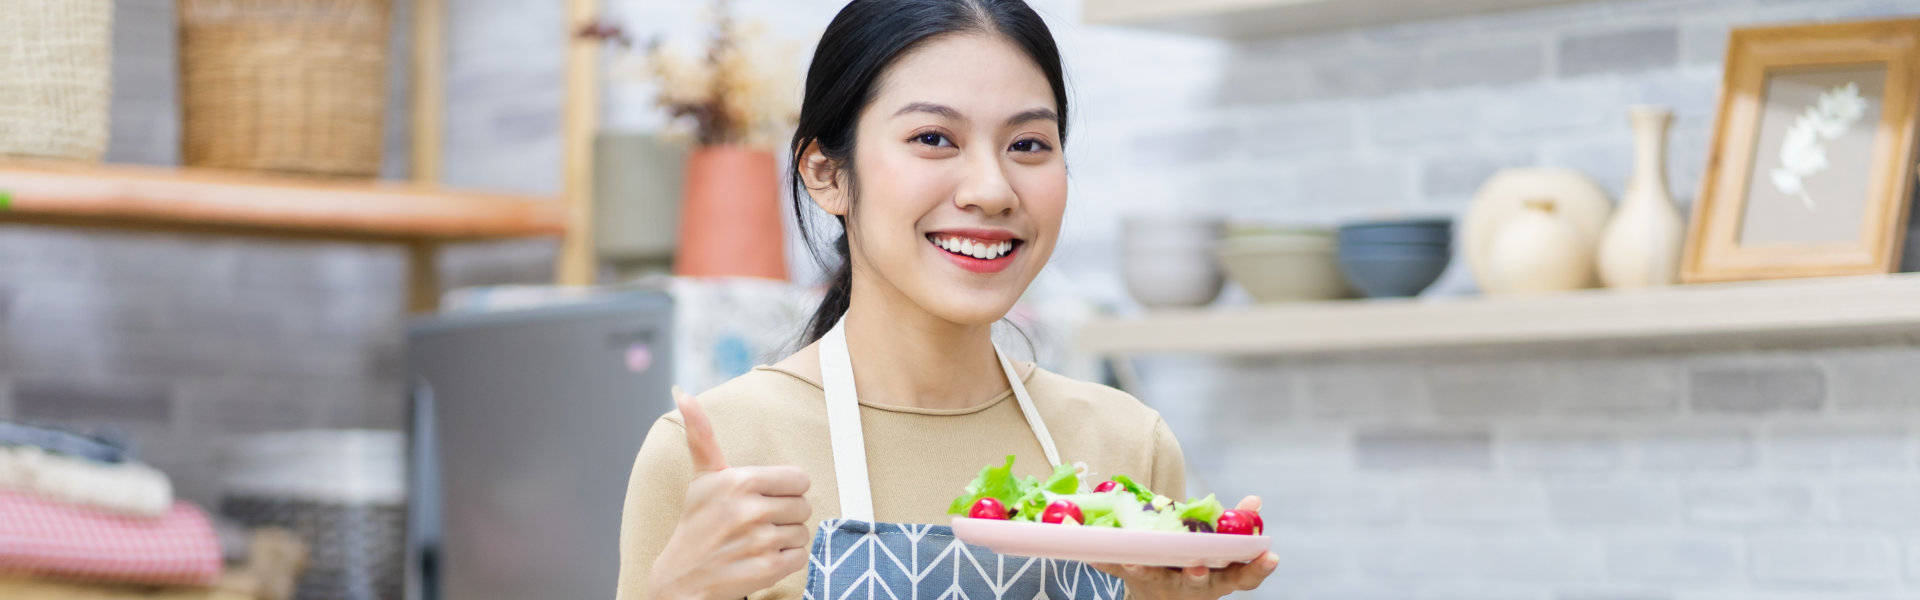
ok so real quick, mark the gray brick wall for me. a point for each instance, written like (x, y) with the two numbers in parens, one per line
(1714, 491)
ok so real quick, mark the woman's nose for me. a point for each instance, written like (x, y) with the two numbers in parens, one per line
(986, 187)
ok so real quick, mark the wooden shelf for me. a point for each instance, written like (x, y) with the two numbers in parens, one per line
(1886, 304)
(1266, 18)
(258, 204)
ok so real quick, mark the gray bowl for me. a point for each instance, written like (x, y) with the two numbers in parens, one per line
(1413, 231)
(1388, 276)
(1389, 251)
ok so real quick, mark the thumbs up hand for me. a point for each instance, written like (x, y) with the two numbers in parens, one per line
(741, 528)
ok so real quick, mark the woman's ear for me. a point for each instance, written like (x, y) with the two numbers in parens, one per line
(821, 175)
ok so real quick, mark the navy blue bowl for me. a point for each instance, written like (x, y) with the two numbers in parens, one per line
(1384, 251)
(1396, 235)
(1392, 277)
(1412, 231)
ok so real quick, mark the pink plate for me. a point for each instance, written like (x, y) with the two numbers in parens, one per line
(1109, 545)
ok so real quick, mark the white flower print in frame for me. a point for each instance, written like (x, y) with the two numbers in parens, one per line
(1816, 144)
(1804, 152)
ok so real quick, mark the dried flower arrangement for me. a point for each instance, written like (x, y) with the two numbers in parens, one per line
(743, 90)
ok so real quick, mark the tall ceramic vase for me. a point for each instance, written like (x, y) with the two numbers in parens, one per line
(730, 215)
(1641, 246)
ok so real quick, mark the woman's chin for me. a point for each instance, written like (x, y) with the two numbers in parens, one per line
(967, 310)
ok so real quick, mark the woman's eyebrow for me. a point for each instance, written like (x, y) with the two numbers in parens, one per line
(941, 110)
(1037, 114)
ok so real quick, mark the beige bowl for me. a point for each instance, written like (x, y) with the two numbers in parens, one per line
(1285, 268)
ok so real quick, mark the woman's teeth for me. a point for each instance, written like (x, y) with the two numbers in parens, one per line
(975, 248)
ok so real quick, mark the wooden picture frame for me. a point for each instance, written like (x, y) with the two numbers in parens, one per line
(1796, 132)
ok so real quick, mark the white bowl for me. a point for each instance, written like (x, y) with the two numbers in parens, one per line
(1285, 269)
(1172, 279)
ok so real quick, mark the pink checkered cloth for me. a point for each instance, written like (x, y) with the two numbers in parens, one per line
(46, 537)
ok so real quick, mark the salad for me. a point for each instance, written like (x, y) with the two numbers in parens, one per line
(1118, 502)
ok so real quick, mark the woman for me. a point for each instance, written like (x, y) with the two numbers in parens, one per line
(933, 131)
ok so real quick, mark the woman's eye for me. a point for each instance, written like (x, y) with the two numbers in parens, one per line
(1030, 146)
(932, 139)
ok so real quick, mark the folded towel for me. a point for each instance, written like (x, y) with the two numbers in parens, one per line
(41, 536)
(131, 488)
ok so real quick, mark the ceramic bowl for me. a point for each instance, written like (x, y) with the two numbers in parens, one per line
(1172, 278)
(1285, 268)
(1391, 273)
(1405, 231)
(1376, 251)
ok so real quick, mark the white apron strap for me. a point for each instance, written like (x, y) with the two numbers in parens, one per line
(1026, 408)
(849, 442)
(843, 425)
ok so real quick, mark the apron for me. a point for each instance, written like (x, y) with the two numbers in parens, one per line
(853, 557)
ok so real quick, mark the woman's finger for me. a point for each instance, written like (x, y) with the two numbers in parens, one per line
(790, 510)
(1251, 503)
(701, 443)
(1248, 576)
(793, 536)
(1196, 577)
(777, 481)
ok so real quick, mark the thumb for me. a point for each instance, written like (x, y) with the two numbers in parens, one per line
(701, 442)
(1251, 503)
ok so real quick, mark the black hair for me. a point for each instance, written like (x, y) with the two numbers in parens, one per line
(856, 49)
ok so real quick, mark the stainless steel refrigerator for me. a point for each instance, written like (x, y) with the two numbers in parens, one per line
(525, 425)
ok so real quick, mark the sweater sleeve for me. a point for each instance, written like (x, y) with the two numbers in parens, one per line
(661, 473)
(1169, 463)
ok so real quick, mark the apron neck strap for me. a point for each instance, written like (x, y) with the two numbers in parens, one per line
(849, 441)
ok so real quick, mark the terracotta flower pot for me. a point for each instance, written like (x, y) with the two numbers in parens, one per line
(730, 215)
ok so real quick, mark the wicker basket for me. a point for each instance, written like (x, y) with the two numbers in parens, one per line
(55, 77)
(284, 85)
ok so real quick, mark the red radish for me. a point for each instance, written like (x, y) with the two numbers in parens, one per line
(1259, 525)
(1106, 486)
(1060, 511)
(1238, 522)
(988, 508)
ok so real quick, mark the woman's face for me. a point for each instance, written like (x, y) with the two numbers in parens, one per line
(962, 180)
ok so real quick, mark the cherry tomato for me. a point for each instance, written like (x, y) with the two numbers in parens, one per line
(1238, 522)
(1061, 510)
(1106, 486)
(988, 508)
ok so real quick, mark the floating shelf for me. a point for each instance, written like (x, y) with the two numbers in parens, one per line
(258, 204)
(1881, 304)
(1266, 18)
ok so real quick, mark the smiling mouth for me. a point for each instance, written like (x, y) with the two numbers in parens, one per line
(966, 247)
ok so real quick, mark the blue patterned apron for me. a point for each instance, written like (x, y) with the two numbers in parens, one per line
(855, 558)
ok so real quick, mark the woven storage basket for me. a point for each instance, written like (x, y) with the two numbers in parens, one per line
(284, 85)
(55, 77)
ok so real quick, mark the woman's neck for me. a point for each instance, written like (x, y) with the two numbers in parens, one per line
(904, 356)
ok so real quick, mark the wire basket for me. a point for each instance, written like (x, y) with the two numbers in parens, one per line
(293, 86)
(55, 77)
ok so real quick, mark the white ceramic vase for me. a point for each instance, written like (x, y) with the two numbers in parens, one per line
(1642, 243)
(1539, 251)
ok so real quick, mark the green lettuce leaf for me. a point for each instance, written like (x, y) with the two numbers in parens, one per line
(1205, 509)
(1140, 492)
(993, 482)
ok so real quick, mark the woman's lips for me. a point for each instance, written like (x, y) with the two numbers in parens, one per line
(976, 255)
